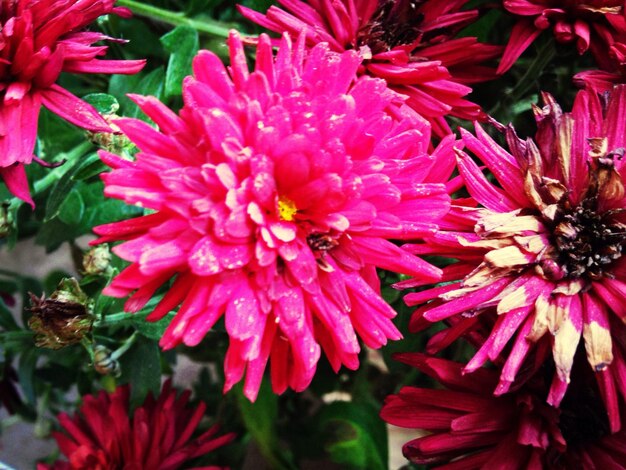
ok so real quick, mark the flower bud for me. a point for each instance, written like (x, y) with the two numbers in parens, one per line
(104, 362)
(97, 260)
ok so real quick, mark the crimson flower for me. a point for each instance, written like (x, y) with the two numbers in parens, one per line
(542, 255)
(273, 195)
(469, 429)
(39, 39)
(411, 45)
(614, 70)
(592, 24)
(158, 435)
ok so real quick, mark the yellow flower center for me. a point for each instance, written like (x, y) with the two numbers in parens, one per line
(286, 208)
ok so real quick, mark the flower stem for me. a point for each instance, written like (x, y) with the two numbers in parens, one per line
(174, 18)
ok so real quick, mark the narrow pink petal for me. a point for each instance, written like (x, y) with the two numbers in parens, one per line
(69, 107)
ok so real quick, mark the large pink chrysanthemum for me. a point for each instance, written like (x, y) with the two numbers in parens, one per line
(158, 434)
(39, 39)
(412, 46)
(469, 429)
(592, 24)
(274, 194)
(542, 257)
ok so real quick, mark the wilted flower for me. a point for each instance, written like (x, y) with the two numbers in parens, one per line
(411, 45)
(157, 435)
(273, 196)
(39, 40)
(543, 255)
(468, 428)
(591, 24)
(64, 318)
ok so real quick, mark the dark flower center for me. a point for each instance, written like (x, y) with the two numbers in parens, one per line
(583, 418)
(588, 242)
(394, 23)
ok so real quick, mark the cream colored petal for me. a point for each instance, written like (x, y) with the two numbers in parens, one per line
(540, 325)
(598, 345)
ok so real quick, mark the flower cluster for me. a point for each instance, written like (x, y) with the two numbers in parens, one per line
(276, 194)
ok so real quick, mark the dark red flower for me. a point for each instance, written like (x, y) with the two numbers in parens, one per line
(469, 429)
(39, 39)
(411, 44)
(592, 24)
(157, 436)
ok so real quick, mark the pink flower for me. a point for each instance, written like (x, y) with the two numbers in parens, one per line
(157, 435)
(411, 45)
(38, 41)
(541, 258)
(273, 195)
(592, 24)
(470, 429)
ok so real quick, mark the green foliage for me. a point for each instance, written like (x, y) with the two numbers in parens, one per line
(182, 44)
(357, 436)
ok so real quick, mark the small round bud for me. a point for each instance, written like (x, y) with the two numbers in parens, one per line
(97, 260)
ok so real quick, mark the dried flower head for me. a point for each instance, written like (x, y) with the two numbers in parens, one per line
(64, 318)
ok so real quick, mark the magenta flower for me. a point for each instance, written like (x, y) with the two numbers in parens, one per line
(542, 256)
(411, 45)
(592, 25)
(469, 429)
(105, 435)
(38, 41)
(273, 196)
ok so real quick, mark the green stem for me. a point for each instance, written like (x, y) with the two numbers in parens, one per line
(176, 19)
(55, 174)
(125, 347)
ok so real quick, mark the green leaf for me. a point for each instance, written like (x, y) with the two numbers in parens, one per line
(104, 103)
(182, 44)
(148, 84)
(72, 208)
(7, 322)
(141, 367)
(260, 419)
(26, 373)
(61, 191)
(150, 329)
(359, 436)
